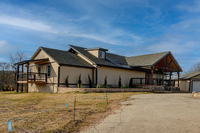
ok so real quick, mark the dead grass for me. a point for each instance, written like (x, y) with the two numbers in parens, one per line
(43, 112)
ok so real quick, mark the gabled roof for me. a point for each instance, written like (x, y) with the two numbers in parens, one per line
(65, 57)
(145, 60)
(111, 59)
(189, 75)
(71, 58)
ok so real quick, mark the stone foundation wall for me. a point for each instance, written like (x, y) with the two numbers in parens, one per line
(65, 89)
(196, 94)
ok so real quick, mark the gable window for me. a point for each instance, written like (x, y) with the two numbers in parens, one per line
(48, 70)
(101, 54)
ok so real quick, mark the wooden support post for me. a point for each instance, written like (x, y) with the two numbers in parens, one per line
(151, 75)
(34, 77)
(162, 76)
(141, 81)
(22, 72)
(170, 77)
(178, 78)
(27, 77)
(22, 85)
(17, 78)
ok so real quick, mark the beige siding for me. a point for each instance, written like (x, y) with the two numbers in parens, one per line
(54, 67)
(95, 53)
(113, 75)
(183, 85)
(74, 73)
(47, 88)
(51, 86)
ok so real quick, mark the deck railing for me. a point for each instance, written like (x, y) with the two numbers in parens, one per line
(34, 77)
(156, 81)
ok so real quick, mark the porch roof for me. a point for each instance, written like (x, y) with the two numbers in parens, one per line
(32, 61)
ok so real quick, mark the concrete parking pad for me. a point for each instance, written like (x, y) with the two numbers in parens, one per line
(154, 113)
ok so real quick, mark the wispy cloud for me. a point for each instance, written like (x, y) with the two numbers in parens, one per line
(192, 6)
(25, 23)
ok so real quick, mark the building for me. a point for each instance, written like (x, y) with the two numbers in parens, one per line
(48, 68)
(190, 82)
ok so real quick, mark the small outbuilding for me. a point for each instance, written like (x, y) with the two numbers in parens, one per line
(190, 82)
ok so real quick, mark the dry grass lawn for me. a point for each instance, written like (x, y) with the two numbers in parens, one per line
(43, 112)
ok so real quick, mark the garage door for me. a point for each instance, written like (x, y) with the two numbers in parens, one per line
(196, 86)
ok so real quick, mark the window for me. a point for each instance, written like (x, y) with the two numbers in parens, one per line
(39, 69)
(102, 54)
(48, 70)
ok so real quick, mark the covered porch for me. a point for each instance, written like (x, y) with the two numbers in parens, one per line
(159, 73)
(24, 76)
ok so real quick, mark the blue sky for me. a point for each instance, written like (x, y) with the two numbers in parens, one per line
(125, 27)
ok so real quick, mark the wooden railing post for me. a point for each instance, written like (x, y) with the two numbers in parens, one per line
(46, 77)
(34, 77)
(27, 77)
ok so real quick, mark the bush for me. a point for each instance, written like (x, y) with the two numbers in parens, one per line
(79, 82)
(105, 82)
(1, 87)
(66, 81)
(90, 81)
(119, 83)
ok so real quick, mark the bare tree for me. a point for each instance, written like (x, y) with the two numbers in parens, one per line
(17, 57)
(194, 68)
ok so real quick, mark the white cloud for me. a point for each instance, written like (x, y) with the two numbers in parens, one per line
(25, 23)
(174, 46)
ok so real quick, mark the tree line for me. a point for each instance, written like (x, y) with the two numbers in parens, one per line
(8, 71)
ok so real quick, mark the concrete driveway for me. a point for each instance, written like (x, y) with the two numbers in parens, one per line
(154, 113)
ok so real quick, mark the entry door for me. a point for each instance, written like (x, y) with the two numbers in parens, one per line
(148, 78)
(196, 86)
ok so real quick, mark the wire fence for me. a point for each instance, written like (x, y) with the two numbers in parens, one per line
(74, 113)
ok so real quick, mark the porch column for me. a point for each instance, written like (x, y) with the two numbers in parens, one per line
(178, 78)
(17, 78)
(27, 77)
(22, 85)
(170, 77)
(162, 77)
(151, 75)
